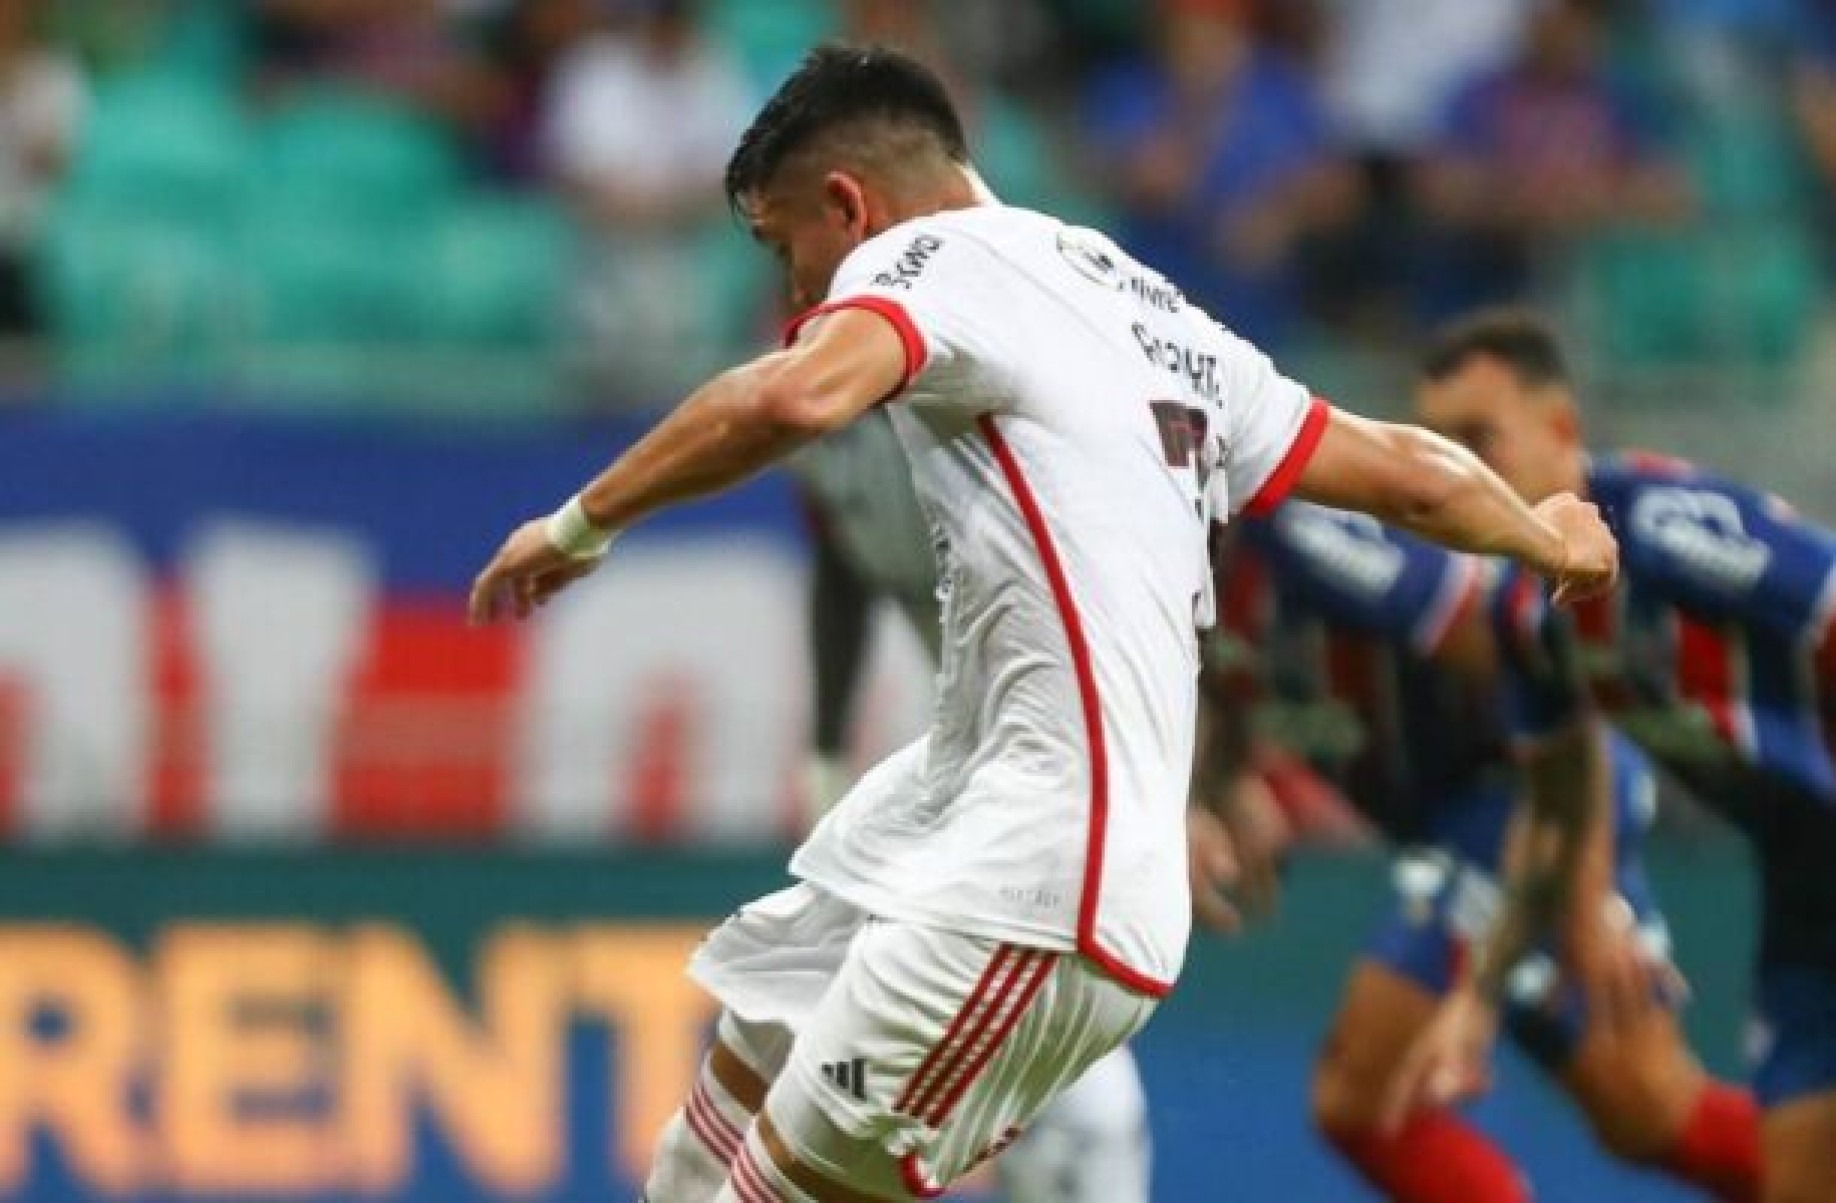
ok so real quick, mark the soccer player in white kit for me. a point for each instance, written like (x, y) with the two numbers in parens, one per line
(872, 542)
(997, 906)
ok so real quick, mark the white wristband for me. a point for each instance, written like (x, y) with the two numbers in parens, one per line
(572, 532)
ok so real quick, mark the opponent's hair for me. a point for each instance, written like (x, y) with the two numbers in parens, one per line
(852, 90)
(1517, 338)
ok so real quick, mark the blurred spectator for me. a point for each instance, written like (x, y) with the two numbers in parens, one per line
(1388, 71)
(401, 48)
(1550, 148)
(527, 44)
(642, 119)
(1391, 66)
(42, 98)
(1012, 147)
(1218, 154)
(1813, 85)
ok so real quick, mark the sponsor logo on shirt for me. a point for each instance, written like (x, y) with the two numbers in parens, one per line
(1704, 533)
(1095, 258)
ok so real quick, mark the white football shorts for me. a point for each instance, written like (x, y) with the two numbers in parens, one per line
(901, 1056)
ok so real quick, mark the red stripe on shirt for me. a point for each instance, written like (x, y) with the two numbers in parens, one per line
(1287, 473)
(1084, 670)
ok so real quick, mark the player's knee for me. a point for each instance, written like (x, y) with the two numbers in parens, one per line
(1635, 1119)
(1342, 1103)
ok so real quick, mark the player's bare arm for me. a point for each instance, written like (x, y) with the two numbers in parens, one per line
(1429, 485)
(740, 422)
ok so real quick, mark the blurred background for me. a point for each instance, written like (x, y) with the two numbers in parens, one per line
(310, 892)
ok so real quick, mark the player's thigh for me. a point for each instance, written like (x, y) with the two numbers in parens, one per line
(770, 965)
(932, 1050)
(1382, 1012)
(1800, 1150)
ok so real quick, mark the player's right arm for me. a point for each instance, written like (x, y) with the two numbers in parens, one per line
(734, 426)
(1433, 487)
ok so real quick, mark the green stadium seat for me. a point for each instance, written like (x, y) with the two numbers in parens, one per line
(328, 278)
(1746, 166)
(494, 269)
(1743, 295)
(1766, 293)
(137, 295)
(769, 39)
(1639, 295)
(343, 153)
(162, 144)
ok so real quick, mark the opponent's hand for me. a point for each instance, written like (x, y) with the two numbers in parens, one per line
(1449, 1062)
(1590, 554)
(1623, 982)
(1259, 836)
(525, 573)
(1211, 862)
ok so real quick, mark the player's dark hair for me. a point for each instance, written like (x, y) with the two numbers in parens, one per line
(836, 87)
(1517, 338)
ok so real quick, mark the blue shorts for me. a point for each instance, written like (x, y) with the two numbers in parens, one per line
(1445, 902)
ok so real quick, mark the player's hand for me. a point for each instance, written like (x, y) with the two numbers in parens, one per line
(1623, 982)
(1450, 1061)
(1590, 554)
(525, 573)
(1211, 862)
(1259, 836)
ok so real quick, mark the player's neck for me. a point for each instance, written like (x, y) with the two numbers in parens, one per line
(961, 188)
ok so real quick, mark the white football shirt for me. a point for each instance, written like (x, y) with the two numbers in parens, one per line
(1074, 426)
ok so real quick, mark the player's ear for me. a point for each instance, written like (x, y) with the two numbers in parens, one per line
(848, 202)
(1565, 419)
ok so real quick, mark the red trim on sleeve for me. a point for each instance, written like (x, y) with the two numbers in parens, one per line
(1084, 669)
(909, 338)
(1282, 480)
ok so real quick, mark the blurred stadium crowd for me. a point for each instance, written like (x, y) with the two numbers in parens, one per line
(315, 199)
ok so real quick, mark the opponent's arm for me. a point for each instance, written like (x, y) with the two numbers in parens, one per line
(841, 603)
(1423, 483)
(732, 427)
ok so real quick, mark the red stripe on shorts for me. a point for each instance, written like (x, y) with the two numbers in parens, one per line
(1043, 970)
(930, 1063)
(968, 1038)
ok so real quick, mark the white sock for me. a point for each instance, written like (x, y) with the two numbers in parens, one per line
(756, 1178)
(698, 1145)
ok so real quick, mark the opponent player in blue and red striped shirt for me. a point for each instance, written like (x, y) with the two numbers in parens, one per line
(1718, 658)
(1368, 653)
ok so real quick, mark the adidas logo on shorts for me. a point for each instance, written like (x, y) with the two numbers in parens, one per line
(850, 1076)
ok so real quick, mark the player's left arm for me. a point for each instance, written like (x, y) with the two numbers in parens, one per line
(737, 424)
(1435, 488)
